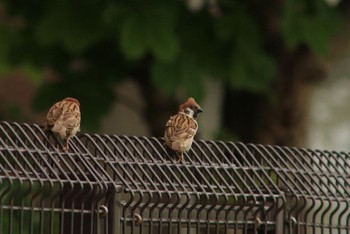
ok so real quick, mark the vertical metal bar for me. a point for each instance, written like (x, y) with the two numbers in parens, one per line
(114, 212)
(2, 194)
(4, 216)
(221, 187)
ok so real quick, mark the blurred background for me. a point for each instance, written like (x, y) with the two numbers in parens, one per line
(270, 72)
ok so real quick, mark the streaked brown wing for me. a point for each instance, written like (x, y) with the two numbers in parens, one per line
(71, 119)
(54, 114)
(181, 127)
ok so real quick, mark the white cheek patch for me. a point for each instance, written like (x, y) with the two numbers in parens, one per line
(189, 111)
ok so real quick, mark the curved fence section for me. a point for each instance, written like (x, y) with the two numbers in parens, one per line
(127, 184)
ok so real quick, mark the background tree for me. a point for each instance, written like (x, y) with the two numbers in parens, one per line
(267, 54)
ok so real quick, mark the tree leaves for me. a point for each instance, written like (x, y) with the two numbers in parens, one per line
(183, 73)
(250, 68)
(34, 73)
(309, 22)
(149, 30)
(96, 97)
(253, 73)
(75, 25)
(133, 41)
(179, 48)
(165, 76)
(9, 37)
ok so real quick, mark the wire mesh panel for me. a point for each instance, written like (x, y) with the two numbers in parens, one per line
(225, 187)
(43, 190)
(120, 184)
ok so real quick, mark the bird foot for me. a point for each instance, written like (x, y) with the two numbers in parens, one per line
(181, 157)
(65, 148)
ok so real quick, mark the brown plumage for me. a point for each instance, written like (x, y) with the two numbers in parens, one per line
(64, 118)
(182, 127)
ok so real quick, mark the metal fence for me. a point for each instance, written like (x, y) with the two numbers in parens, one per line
(119, 184)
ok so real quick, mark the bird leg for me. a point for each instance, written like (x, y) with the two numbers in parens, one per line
(181, 157)
(66, 147)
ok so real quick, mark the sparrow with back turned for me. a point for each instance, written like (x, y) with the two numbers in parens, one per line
(63, 119)
(182, 127)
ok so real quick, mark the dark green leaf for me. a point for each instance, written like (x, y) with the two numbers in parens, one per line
(95, 95)
(166, 76)
(132, 40)
(311, 23)
(192, 77)
(114, 14)
(184, 74)
(161, 36)
(74, 25)
(8, 39)
(35, 74)
(253, 73)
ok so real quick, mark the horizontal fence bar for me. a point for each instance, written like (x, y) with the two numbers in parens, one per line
(128, 184)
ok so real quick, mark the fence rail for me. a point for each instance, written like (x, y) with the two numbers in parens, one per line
(119, 184)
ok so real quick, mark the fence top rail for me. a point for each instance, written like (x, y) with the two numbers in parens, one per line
(30, 155)
(142, 165)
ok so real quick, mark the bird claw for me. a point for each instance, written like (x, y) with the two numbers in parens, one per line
(181, 157)
(65, 149)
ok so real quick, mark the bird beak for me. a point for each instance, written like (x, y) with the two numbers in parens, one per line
(199, 110)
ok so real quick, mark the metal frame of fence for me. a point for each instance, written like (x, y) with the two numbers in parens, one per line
(119, 184)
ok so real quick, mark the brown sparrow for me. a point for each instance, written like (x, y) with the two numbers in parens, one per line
(182, 127)
(63, 119)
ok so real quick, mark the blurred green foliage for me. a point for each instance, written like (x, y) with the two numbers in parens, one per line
(93, 44)
(309, 22)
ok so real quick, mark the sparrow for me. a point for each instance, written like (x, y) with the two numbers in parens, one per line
(63, 119)
(182, 127)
